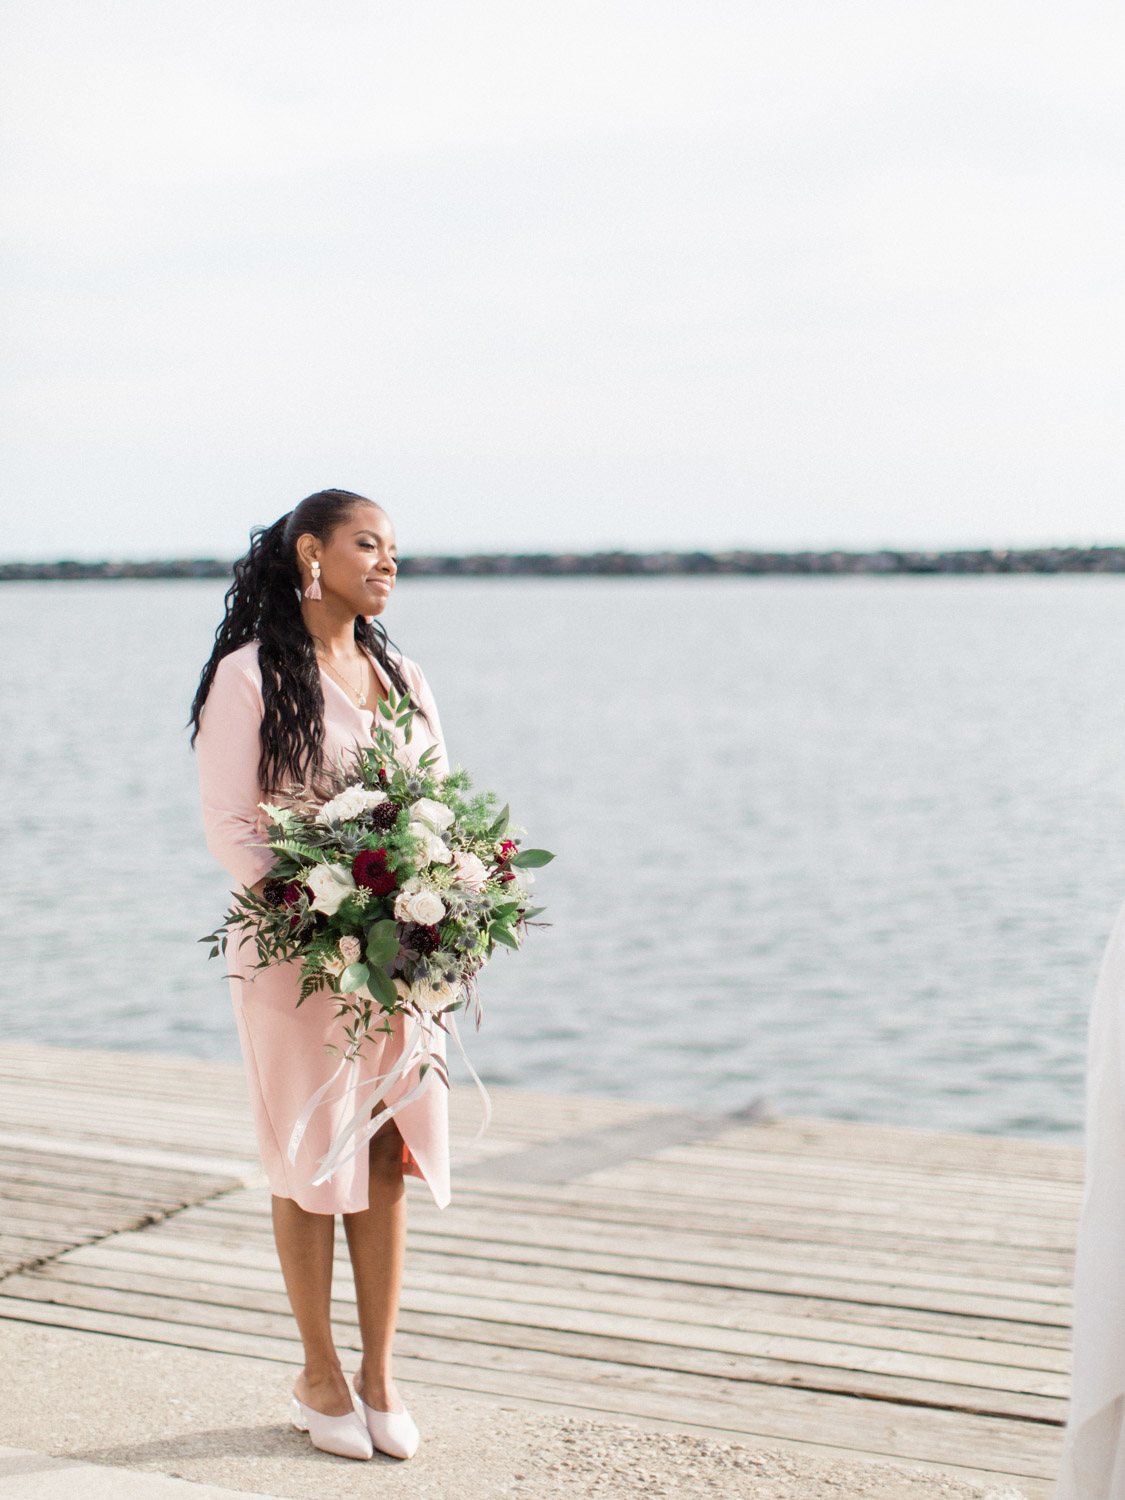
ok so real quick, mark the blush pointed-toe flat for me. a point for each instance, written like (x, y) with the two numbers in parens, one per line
(346, 1436)
(392, 1432)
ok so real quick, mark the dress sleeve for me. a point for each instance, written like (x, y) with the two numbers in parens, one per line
(227, 749)
(425, 700)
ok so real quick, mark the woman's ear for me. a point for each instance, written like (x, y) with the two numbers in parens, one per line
(308, 548)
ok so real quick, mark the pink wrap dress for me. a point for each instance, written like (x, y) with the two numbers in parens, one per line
(285, 1048)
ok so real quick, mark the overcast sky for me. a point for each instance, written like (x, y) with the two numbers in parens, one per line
(573, 274)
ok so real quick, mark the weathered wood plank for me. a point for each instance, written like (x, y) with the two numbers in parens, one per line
(460, 1295)
(201, 1305)
(451, 1268)
(759, 1410)
(846, 1287)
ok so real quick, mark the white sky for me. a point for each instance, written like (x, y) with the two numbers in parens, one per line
(563, 273)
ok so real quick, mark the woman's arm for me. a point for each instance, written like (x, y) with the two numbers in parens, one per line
(227, 749)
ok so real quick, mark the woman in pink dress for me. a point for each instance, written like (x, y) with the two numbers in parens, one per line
(288, 693)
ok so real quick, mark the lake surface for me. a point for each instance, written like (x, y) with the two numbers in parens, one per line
(850, 844)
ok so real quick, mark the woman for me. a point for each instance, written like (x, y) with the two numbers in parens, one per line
(291, 688)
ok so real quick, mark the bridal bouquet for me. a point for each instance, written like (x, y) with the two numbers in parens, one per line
(394, 893)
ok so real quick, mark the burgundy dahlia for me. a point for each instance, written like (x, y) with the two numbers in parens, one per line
(273, 894)
(425, 939)
(291, 896)
(369, 868)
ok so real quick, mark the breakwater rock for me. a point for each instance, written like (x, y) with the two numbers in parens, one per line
(643, 564)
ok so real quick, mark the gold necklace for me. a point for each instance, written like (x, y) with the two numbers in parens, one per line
(360, 695)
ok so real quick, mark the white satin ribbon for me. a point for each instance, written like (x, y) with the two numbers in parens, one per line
(333, 1158)
(450, 1022)
(298, 1133)
(354, 1133)
(415, 1048)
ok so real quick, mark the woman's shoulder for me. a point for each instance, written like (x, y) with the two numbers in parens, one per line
(242, 659)
(409, 668)
(239, 668)
(412, 674)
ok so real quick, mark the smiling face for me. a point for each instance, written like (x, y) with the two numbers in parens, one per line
(358, 562)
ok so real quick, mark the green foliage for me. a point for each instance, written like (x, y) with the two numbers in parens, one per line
(354, 977)
(382, 943)
(300, 850)
(383, 988)
(531, 859)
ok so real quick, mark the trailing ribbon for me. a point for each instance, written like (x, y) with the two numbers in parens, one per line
(332, 1160)
(310, 1109)
(415, 1048)
(451, 1027)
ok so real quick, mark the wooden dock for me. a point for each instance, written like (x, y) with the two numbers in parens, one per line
(849, 1289)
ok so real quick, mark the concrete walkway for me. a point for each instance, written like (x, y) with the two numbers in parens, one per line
(126, 1420)
(25, 1475)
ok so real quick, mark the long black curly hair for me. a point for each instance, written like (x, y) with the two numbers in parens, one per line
(263, 604)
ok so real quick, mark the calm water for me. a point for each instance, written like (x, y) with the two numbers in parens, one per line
(854, 845)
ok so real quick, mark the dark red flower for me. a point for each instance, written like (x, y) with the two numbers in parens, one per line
(369, 868)
(506, 850)
(385, 816)
(425, 939)
(290, 897)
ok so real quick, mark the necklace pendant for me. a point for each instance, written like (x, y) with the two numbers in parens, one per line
(363, 700)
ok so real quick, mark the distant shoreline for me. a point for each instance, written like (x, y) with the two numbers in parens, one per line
(641, 564)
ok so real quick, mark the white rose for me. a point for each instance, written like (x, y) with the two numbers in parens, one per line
(350, 949)
(436, 814)
(434, 850)
(330, 885)
(349, 804)
(425, 908)
(524, 878)
(433, 995)
(469, 870)
(402, 900)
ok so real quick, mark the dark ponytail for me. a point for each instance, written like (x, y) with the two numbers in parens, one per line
(263, 604)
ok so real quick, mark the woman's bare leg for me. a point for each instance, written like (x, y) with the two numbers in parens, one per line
(304, 1247)
(377, 1244)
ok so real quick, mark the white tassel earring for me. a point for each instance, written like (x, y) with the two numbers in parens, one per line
(313, 590)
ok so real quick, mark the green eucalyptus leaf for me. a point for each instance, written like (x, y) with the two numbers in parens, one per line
(532, 859)
(501, 822)
(380, 950)
(501, 934)
(354, 977)
(382, 986)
